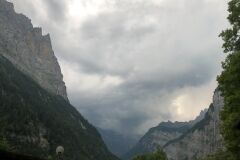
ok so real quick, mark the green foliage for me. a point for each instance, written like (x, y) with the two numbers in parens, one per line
(231, 35)
(220, 155)
(158, 155)
(229, 81)
(50, 158)
(4, 144)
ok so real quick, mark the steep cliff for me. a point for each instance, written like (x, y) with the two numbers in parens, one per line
(202, 139)
(34, 122)
(29, 50)
(35, 114)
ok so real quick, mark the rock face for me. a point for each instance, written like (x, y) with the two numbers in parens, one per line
(202, 139)
(161, 135)
(29, 50)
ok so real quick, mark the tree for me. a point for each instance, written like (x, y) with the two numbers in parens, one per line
(229, 81)
(158, 155)
(231, 35)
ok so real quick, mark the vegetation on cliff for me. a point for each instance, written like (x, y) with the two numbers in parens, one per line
(34, 121)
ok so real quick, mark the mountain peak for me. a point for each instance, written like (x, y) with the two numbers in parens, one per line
(29, 50)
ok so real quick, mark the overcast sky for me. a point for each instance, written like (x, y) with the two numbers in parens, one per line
(130, 64)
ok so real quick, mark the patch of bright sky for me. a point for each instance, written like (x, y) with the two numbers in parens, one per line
(88, 82)
(190, 101)
(79, 11)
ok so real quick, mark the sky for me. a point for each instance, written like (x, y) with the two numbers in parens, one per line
(130, 64)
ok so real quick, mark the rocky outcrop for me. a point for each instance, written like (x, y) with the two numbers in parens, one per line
(29, 50)
(202, 139)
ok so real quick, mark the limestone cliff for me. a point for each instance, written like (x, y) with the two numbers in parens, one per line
(35, 115)
(29, 50)
(201, 140)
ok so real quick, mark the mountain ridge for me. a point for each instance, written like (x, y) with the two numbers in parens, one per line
(161, 135)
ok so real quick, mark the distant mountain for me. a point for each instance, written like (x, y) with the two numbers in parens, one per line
(125, 147)
(117, 143)
(202, 139)
(161, 135)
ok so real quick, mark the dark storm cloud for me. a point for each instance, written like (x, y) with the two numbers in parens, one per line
(128, 66)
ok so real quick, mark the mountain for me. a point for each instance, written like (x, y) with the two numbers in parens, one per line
(29, 50)
(160, 135)
(202, 139)
(117, 143)
(34, 121)
(35, 114)
(185, 140)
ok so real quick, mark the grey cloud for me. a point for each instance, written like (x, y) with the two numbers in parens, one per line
(156, 50)
(184, 49)
(56, 9)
